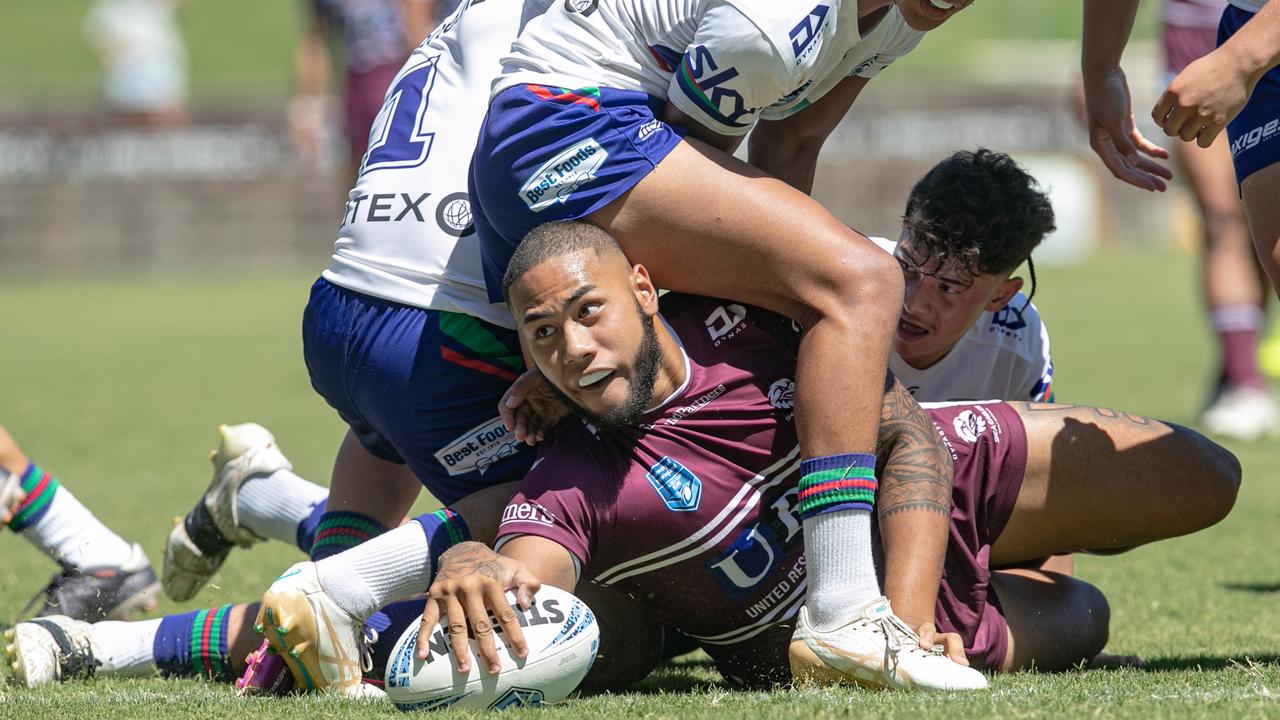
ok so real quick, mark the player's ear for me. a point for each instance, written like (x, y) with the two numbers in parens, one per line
(645, 291)
(1004, 294)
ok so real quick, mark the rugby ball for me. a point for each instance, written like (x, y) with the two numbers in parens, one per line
(563, 637)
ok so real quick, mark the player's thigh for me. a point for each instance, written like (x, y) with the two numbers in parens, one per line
(1261, 191)
(1053, 621)
(1211, 176)
(365, 483)
(705, 222)
(1099, 480)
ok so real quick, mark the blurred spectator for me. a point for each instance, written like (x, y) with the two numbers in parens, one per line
(372, 38)
(143, 59)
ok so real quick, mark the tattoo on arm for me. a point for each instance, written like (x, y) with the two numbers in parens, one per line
(914, 466)
(469, 558)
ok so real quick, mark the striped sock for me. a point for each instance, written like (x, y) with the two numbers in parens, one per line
(339, 531)
(306, 538)
(40, 488)
(194, 645)
(837, 482)
(837, 497)
(444, 528)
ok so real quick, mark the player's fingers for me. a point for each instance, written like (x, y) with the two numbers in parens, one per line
(1172, 125)
(482, 629)
(1208, 134)
(497, 600)
(1165, 105)
(1155, 171)
(527, 585)
(430, 616)
(1148, 148)
(511, 400)
(953, 646)
(456, 621)
(928, 634)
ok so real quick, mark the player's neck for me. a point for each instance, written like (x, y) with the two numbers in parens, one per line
(674, 369)
(866, 7)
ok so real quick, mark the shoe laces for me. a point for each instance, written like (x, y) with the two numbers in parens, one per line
(368, 637)
(899, 639)
(49, 593)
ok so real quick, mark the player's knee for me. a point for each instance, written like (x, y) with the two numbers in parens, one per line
(1096, 615)
(1218, 476)
(864, 289)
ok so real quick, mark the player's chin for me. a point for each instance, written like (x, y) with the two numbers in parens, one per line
(922, 16)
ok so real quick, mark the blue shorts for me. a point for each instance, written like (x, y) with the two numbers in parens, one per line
(549, 154)
(418, 387)
(1255, 132)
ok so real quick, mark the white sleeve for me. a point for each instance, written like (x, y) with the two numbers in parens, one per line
(1038, 384)
(903, 41)
(730, 71)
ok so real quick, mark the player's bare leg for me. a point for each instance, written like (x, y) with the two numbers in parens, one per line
(1097, 481)
(371, 486)
(1235, 291)
(706, 223)
(1260, 206)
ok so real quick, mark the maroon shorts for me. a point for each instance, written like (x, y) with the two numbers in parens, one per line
(1184, 45)
(989, 450)
(361, 101)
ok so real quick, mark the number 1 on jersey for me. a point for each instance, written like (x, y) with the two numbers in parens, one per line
(398, 138)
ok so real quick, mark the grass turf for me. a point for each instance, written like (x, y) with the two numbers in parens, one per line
(116, 385)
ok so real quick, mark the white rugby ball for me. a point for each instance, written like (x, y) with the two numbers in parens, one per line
(562, 634)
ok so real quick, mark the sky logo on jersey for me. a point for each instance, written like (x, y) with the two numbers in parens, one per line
(804, 34)
(701, 80)
(563, 174)
(678, 487)
(478, 448)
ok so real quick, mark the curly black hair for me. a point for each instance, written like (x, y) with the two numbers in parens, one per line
(979, 212)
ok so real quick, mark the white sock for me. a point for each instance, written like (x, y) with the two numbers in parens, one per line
(839, 565)
(126, 649)
(392, 566)
(273, 506)
(69, 533)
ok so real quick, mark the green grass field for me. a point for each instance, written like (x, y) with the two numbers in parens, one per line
(117, 385)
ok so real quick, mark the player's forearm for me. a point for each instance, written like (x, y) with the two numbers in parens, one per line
(1255, 48)
(310, 66)
(1107, 26)
(913, 505)
(792, 161)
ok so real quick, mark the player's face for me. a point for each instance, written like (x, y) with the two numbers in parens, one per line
(942, 302)
(588, 323)
(925, 15)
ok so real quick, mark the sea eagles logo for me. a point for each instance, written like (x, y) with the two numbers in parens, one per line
(969, 425)
(782, 394)
(582, 7)
(563, 174)
(678, 487)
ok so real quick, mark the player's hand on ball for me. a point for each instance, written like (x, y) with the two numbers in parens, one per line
(470, 583)
(1114, 136)
(952, 644)
(531, 408)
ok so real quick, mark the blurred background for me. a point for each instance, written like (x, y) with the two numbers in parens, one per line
(213, 179)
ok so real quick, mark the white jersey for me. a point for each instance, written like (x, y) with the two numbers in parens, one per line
(406, 234)
(1004, 356)
(725, 63)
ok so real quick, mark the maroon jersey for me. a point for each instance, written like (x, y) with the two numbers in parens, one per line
(694, 511)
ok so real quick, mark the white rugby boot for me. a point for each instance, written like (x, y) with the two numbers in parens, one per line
(874, 650)
(48, 650)
(319, 641)
(199, 543)
(1242, 413)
